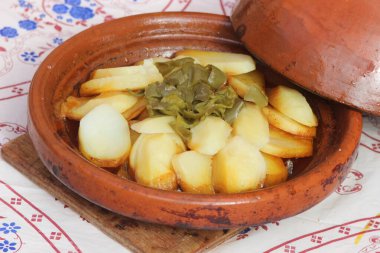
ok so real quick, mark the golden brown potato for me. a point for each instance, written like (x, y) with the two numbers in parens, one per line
(293, 104)
(276, 170)
(193, 172)
(154, 125)
(251, 125)
(283, 122)
(154, 60)
(250, 86)
(114, 80)
(229, 63)
(76, 108)
(104, 137)
(151, 160)
(285, 145)
(209, 136)
(238, 167)
(144, 68)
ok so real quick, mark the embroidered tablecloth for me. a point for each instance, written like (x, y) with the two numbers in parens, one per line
(31, 220)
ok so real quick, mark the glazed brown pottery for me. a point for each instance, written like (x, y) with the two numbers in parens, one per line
(328, 47)
(127, 40)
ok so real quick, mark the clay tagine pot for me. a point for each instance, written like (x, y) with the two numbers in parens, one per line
(331, 48)
(124, 41)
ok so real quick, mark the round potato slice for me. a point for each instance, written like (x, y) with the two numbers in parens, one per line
(210, 135)
(285, 145)
(104, 137)
(76, 108)
(193, 172)
(151, 160)
(293, 104)
(276, 170)
(238, 167)
(283, 122)
(154, 125)
(229, 63)
(252, 125)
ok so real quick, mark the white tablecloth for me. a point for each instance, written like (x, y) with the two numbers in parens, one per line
(31, 220)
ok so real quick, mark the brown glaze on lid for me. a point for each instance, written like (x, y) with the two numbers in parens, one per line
(328, 47)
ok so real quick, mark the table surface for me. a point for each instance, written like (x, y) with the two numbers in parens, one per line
(31, 220)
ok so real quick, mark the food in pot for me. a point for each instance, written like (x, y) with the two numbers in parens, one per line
(202, 122)
(104, 137)
(194, 172)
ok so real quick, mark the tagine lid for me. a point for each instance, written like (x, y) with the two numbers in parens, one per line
(331, 48)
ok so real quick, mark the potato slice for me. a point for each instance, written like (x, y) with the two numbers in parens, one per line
(115, 80)
(238, 167)
(251, 125)
(135, 152)
(104, 137)
(229, 63)
(250, 86)
(154, 125)
(285, 145)
(76, 108)
(193, 172)
(276, 170)
(210, 135)
(151, 160)
(283, 122)
(141, 69)
(154, 60)
(293, 104)
(136, 148)
(163, 59)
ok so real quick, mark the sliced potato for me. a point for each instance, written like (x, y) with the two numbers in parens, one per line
(151, 160)
(209, 136)
(136, 109)
(250, 86)
(104, 137)
(285, 145)
(146, 67)
(163, 59)
(118, 71)
(184, 56)
(154, 125)
(293, 104)
(193, 172)
(276, 170)
(238, 167)
(154, 60)
(136, 148)
(229, 63)
(135, 152)
(283, 122)
(76, 108)
(121, 82)
(251, 125)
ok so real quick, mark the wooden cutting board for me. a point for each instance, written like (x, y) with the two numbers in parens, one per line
(135, 235)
